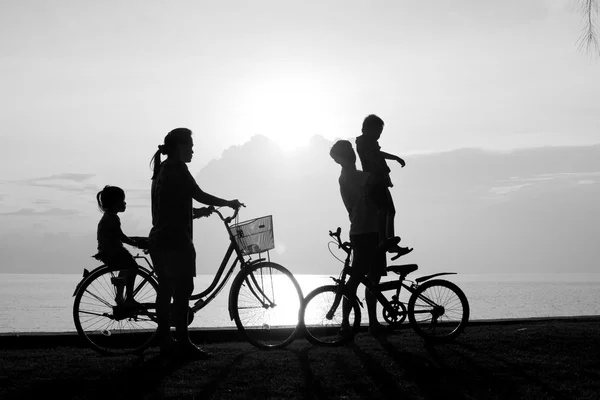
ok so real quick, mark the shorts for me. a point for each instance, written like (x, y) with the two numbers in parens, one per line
(368, 260)
(381, 197)
(174, 263)
(119, 257)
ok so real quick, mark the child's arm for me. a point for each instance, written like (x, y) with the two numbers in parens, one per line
(392, 157)
(127, 240)
(123, 237)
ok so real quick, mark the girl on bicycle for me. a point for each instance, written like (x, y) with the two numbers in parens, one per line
(111, 201)
(170, 240)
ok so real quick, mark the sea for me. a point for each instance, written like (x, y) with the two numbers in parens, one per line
(31, 303)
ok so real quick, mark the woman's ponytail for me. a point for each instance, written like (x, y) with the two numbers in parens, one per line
(172, 140)
(156, 161)
(99, 200)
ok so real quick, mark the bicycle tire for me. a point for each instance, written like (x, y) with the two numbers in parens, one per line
(321, 330)
(265, 302)
(453, 314)
(107, 328)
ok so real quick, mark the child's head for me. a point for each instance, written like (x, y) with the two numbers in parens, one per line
(372, 126)
(343, 153)
(177, 144)
(111, 198)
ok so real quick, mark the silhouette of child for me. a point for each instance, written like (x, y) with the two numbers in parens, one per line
(373, 161)
(111, 201)
(369, 257)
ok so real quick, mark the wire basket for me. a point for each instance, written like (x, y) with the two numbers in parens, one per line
(254, 236)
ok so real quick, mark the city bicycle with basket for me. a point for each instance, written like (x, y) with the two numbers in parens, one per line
(264, 298)
(437, 309)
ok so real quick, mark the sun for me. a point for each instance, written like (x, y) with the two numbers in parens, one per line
(287, 108)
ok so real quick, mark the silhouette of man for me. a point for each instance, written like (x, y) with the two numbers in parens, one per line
(369, 257)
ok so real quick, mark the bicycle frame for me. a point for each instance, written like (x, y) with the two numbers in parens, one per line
(377, 289)
(219, 281)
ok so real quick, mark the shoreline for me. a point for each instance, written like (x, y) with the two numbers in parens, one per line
(218, 335)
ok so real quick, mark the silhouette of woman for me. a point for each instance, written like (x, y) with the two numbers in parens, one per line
(170, 240)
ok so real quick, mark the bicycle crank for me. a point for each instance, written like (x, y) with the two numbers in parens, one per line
(396, 316)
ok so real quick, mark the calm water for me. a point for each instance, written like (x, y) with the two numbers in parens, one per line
(43, 303)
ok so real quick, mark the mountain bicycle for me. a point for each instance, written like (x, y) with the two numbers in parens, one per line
(437, 309)
(264, 298)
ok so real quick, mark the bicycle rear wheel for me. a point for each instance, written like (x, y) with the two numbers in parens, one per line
(326, 331)
(438, 311)
(265, 303)
(109, 328)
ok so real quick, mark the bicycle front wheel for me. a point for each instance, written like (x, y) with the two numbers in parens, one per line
(322, 323)
(438, 311)
(265, 303)
(110, 328)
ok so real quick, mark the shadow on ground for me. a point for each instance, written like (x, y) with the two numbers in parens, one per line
(541, 362)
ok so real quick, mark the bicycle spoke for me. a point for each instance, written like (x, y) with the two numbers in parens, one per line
(114, 329)
(438, 310)
(267, 297)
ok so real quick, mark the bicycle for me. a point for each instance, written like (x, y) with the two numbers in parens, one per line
(437, 309)
(262, 295)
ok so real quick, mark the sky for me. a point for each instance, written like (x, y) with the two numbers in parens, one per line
(89, 89)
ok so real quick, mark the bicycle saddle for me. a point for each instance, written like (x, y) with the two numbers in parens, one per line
(402, 269)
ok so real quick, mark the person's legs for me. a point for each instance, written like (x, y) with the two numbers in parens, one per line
(126, 277)
(130, 274)
(390, 214)
(166, 288)
(375, 274)
(181, 302)
(351, 287)
(362, 247)
(387, 226)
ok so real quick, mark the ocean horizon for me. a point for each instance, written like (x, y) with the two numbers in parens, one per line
(32, 303)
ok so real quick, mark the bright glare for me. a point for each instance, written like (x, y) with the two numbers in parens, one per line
(287, 108)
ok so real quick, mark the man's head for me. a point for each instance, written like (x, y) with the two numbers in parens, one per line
(343, 153)
(372, 126)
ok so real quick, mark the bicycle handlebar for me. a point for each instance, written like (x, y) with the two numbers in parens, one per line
(227, 220)
(346, 246)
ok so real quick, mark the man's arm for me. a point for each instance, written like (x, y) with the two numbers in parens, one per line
(392, 157)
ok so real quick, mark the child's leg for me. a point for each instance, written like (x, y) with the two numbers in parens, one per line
(127, 274)
(390, 215)
(388, 226)
(130, 279)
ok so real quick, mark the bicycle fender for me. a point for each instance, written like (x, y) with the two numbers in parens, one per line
(258, 260)
(86, 273)
(427, 277)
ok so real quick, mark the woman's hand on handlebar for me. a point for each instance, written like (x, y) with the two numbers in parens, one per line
(202, 212)
(235, 204)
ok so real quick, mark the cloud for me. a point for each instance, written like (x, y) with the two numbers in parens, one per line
(27, 212)
(70, 182)
(67, 176)
(501, 190)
